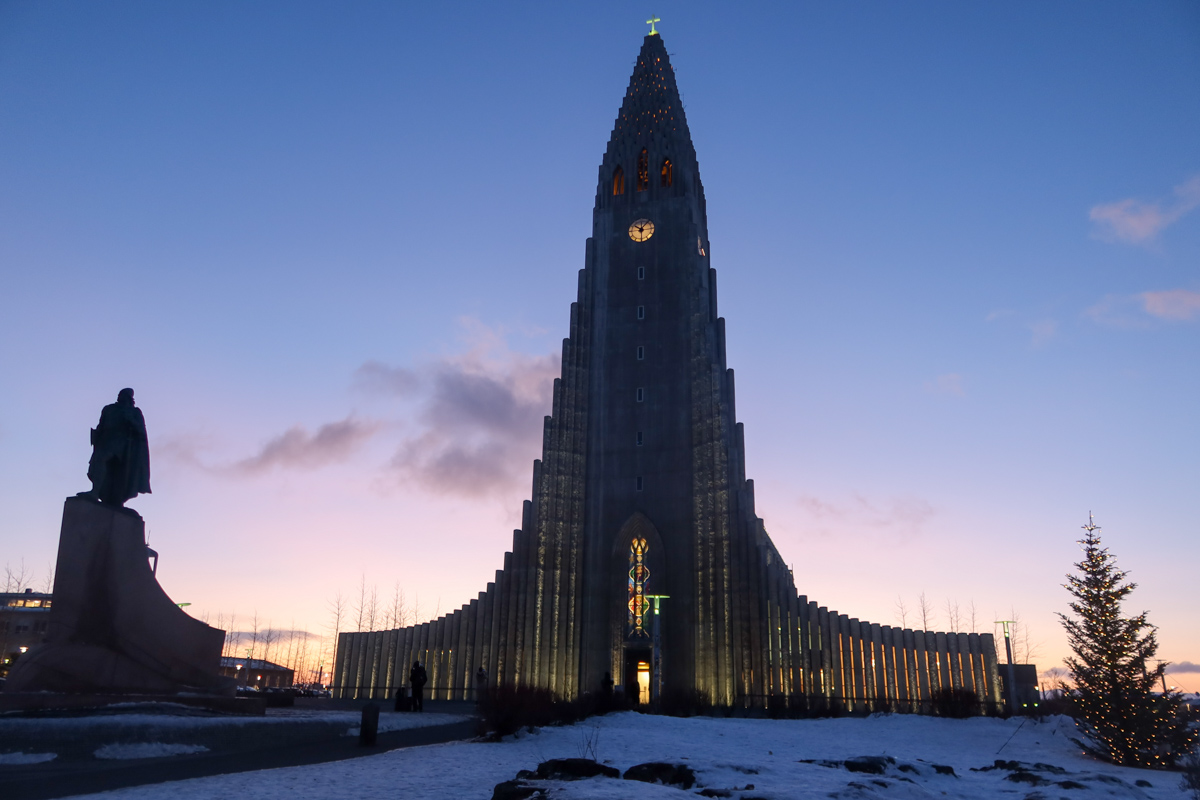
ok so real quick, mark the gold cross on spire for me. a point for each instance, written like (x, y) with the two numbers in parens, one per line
(651, 22)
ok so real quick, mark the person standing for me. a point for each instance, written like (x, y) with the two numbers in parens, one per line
(417, 678)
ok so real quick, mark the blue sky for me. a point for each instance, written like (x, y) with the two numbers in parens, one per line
(333, 248)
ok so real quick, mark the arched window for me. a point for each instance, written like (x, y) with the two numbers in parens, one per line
(618, 181)
(666, 172)
(639, 574)
(643, 175)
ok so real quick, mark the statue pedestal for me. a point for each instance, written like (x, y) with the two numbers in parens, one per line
(113, 630)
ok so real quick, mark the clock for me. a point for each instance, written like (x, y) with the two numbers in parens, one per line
(641, 230)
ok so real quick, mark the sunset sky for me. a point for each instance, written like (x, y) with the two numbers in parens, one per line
(332, 247)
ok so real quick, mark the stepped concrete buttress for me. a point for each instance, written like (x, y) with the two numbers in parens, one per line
(113, 630)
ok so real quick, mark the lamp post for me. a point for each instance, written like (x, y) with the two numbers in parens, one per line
(657, 657)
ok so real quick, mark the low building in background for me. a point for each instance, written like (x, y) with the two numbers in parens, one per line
(256, 672)
(24, 621)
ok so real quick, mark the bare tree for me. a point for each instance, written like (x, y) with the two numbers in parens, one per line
(268, 638)
(48, 583)
(902, 611)
(974, 618)
(925, 611)
(372, 608)
(253, 637)
(397, 609)
(360, 610)
(15, 580)
(953, 616)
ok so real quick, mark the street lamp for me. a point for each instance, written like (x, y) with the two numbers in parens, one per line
(657, 658)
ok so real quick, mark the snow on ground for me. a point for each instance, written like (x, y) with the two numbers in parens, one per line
(14, 726)
(728, 755)
(147, 750)
(26, 758)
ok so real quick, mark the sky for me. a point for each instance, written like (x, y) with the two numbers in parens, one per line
(333, 247)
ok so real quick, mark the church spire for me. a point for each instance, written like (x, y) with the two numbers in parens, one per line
(651, 130)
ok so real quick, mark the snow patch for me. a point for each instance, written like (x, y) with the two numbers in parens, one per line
(735, 758)
(147, 750)
(27, 758)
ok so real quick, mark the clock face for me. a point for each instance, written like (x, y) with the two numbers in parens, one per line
(641, 230)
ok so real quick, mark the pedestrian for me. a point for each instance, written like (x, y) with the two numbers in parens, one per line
(417, 678)
(481, 678)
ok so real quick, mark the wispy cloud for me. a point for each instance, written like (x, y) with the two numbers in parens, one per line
(296, 447)
(1183, 666)
(1136, 310)
(1172, 304)
(379, 378)
(897, 515)
(1135, 221)
(951, 383)
(1042, 331)
(479, 418)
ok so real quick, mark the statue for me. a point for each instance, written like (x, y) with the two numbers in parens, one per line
(120, 465)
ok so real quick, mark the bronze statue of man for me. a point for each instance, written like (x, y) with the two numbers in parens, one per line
(120, 465)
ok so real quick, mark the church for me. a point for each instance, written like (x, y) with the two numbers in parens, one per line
(640, 558)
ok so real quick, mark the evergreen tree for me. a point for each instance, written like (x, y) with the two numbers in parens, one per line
(1122, 718)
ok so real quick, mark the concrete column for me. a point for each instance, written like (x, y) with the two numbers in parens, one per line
(991, 674)
(977, 668)
(887, 635)
(964, 655)
(854, 635)
(955, 664)
(902, 642)
(341, 665)
(881, 682)
(843, 679)
(406, 655)
(943, 661)
(926, 681)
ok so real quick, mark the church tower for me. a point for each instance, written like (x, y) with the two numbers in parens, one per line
(640, 501)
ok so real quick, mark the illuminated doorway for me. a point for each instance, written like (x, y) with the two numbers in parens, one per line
(639, 675)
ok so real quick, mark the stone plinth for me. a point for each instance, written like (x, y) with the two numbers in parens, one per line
(113, 630)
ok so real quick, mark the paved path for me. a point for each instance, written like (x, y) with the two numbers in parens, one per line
(47, 780)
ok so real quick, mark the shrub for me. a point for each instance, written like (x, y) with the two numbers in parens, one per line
(955, 703)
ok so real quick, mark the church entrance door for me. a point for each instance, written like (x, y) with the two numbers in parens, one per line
(638, 675)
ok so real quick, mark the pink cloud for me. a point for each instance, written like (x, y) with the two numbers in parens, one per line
(1135, 221)
(296, 447)
(479, 418)
(1173, 304)
(950, 383)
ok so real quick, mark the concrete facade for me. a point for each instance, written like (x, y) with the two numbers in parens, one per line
(643, 446)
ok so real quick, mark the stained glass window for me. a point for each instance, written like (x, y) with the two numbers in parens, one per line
(667, 172)
(643, 172)
(639, 574)
(618, 181)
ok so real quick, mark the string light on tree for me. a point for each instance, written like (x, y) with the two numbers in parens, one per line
(1120, 716)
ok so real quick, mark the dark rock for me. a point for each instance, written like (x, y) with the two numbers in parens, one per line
(745, 770)
(1021, 776)
(914, 770)
(1071, 785)
(871, 765)
(715, 793)
(942, 769)
(658, 772)
(1144, 784)
(516, 790)
(1053, 770)
(526, 774)
(574, 769)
